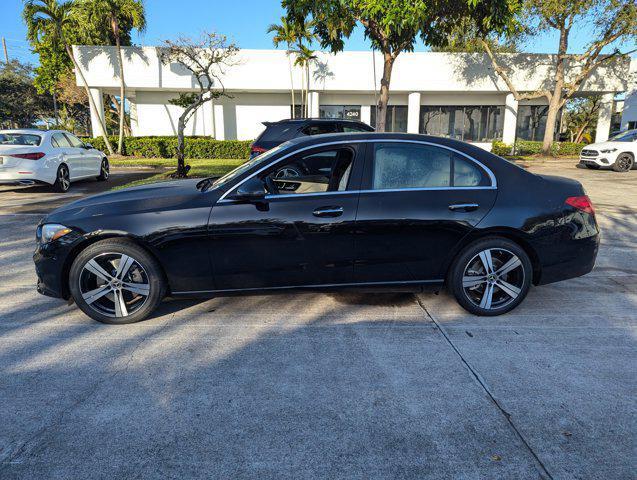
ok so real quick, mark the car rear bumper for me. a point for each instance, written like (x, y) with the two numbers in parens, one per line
(570, 260)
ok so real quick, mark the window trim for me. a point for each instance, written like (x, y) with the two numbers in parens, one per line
(493, 186)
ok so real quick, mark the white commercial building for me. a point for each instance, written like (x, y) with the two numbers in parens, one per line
(629, 106)
(450, 94)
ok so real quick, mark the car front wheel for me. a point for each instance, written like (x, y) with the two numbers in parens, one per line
(623, 163)
(116, 281)
(491, 276)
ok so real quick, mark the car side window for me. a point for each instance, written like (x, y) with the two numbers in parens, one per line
(58, 140)
(468, 174)
(320, 128)
(404, 165)
(74, 141)
(325, 171)
(353, 128)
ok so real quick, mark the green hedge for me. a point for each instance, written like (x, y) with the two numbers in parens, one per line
(165, 147)
(527, 147)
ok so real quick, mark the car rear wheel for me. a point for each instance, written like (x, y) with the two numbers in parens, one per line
(491, 276)
(623, 163)
(62, 179)
(104, 171)
(115, 281)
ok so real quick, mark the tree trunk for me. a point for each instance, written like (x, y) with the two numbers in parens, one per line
(91, 102)
(551, 119)
(291, 83)
(182, 168)
(381, 108)
(122, 87)
(307, 88)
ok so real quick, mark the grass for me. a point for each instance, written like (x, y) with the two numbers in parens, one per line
(200, 168)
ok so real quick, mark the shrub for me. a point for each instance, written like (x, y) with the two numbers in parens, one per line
(165, 147)
(570, 149)
(527, 147)
(498, 147)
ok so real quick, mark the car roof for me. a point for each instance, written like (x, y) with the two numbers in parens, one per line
(313, 120)
(31, 131)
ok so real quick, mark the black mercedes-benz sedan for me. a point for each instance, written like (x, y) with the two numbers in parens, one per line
(358, 210)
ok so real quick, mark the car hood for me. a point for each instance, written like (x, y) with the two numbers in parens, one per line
(156, 196)
(606, 145)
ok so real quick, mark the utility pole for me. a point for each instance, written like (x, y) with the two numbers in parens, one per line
(6, 54)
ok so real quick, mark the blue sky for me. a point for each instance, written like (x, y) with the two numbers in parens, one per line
(245, 21)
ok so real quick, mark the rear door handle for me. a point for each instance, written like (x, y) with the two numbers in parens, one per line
(464, 207)
(328, 212)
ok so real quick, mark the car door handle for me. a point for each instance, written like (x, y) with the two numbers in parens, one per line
(328, 212)
(464, 207)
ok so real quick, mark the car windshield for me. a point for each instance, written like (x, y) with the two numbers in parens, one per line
(263, 158)
(22, 139)
(625, 136)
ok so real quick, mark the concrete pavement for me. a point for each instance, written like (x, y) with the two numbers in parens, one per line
(329, 385)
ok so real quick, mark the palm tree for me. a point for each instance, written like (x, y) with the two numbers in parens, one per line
(304, 58)
(56, 19)
(285, 32)
(116, 18)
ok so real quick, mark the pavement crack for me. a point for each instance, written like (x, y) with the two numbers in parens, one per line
(543, 469)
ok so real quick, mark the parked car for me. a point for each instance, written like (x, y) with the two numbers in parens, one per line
(618, 152)
(392, 210)
(276, 133)
(53, 157)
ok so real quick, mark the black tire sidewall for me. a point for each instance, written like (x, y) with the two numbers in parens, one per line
(454, 279)
(148, 262)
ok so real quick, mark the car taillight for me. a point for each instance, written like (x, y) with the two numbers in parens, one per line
(582, 203)
(257, 150)
(29, 156)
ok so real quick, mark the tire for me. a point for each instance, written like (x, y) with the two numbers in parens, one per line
(592, 167)
(111, 301)
(624, 162)
(104, 171)
(508, 288)
(62, 179)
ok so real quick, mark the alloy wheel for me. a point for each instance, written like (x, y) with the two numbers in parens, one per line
(114, 284)
(493, 278)
(624, 163)
(64, 179)
(104, 170)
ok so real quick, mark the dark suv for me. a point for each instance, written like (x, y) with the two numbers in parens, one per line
(276, 133)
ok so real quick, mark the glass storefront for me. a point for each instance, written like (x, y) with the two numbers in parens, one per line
(348, 112)
(396, 119)
(469, 123)
(532, 122)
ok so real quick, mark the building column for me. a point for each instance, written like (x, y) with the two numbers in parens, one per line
(134, 124)
(313, 103)
(604, 117)
(413, 113)
(510, 119)
(366, 115)
(217, 122)
(96, 93)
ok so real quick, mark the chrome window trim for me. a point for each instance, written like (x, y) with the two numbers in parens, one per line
(493, 186)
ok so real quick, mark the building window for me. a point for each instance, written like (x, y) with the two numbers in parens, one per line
(468, 123)
(532, 122)
(348, 112)
(396, 119)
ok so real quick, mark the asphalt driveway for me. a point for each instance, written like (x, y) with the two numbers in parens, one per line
(327, 385)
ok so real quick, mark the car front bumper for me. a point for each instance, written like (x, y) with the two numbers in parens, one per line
(601, 160)
(52, 264)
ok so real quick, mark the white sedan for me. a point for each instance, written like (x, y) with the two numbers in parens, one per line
(53, 157)
(618, 152)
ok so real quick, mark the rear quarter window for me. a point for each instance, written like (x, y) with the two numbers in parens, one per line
(278, 132)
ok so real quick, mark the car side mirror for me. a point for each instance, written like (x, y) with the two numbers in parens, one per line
(252, 190)
(88, 146)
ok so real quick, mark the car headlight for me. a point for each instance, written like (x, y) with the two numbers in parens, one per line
(609, 150)
(51, 231)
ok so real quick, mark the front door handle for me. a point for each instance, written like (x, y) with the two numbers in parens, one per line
(328, 212)
(464, 207)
